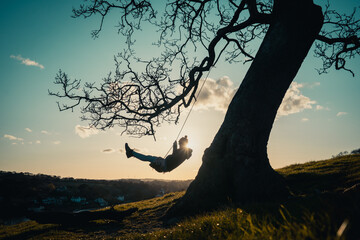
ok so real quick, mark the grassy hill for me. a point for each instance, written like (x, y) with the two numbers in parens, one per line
(324, 205)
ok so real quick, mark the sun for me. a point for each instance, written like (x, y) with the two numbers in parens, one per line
(192, 143)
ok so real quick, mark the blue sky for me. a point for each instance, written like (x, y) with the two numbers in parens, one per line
(39, 37)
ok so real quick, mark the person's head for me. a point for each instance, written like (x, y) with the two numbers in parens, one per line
(183, 142)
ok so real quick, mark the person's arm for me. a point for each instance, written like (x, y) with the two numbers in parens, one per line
(174, 147)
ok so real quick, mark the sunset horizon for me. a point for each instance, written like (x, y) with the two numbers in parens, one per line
(319, 116)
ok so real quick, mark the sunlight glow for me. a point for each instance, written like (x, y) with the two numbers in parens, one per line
(192, 142)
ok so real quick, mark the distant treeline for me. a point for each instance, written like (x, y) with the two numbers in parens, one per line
(24, 192)
(344, 153)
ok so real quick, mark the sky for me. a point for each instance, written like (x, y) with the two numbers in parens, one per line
(318, 118)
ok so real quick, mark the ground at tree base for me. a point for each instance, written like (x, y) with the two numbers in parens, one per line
(324, 205)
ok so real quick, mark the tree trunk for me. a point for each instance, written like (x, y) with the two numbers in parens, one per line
(236, 167)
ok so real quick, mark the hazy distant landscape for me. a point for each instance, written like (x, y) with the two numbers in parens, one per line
(22, 193)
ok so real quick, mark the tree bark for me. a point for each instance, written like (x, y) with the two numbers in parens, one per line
(236, 167)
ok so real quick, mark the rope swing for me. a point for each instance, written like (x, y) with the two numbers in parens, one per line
(187, 117)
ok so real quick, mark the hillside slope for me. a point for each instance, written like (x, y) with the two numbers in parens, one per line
(323, 206)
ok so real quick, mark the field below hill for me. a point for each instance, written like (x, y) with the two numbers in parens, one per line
(324, 205)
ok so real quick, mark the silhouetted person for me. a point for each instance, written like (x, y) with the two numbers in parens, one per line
(168, 164)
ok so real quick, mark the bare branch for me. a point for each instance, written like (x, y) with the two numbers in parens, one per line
(141, 101)
(339, 40)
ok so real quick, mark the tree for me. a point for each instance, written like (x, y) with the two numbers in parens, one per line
(235, 166)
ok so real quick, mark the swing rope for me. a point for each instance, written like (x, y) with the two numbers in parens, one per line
(192, 106)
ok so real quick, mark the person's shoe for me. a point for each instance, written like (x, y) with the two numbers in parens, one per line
(129, 151)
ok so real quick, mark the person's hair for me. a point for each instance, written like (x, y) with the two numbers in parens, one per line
(183, 141)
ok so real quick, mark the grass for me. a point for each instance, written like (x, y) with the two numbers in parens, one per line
(238, 224)
(327, 175)
(316, 211)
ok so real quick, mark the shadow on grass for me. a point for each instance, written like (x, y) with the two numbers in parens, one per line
(75, 219)
(103, 222)
(30, 234)
(305, 183)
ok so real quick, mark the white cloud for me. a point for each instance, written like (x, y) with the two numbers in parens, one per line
(56, 142)
(28, 129)
(38, 142)
(45, 132)
(108, 150)
(85, 132)
(112, 150)
(13, 138)
(216, 94)
(27, 61)
(311, 85)
(304, 119)
(319, 107)
(341, 114)
(294, 101)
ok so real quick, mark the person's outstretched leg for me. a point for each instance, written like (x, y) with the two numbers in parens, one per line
(158, 163)
(131, 153)
(142, 157)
